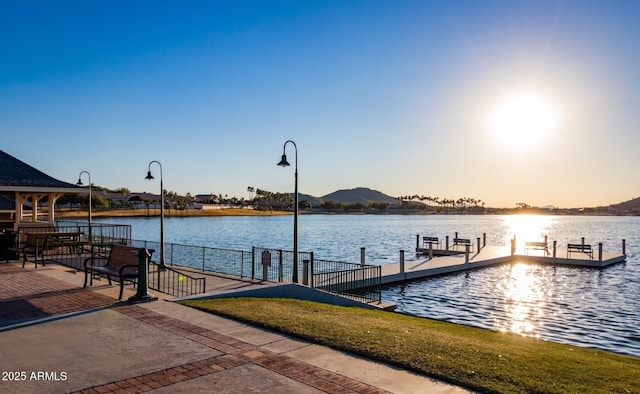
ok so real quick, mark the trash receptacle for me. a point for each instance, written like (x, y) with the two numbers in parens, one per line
(7, 240)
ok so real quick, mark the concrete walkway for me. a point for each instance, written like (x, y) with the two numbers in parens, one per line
(56, 337)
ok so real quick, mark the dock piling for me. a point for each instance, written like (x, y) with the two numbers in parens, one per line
(417, 242)
(466, 253)
(362, 262)
(624, 247)
(478, 250)
(484, 239)
(446, 243)
(402, 261)
(555, 248)
(600, 251)
(430, 251)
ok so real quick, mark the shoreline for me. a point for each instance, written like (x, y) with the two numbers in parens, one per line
(143, 212)
(82, 214)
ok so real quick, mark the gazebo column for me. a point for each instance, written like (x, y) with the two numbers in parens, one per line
(53, 197)
(18, 209)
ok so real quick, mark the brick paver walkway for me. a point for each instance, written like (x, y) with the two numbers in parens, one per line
(235, 353)
(28, 294)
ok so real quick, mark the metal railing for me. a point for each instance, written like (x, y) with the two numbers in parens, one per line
(77, 241)
(276, 265)
(362, 282)
(174, 282)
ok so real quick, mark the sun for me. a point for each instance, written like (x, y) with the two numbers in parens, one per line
(523, 120)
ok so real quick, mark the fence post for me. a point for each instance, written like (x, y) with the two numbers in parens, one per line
(402, 261)
(305, 272)
(600, 251)
(253, 262)
(280, 275)
(242, 264)
(142, 293)
(203, 258)
(312, 269)
(362, 261)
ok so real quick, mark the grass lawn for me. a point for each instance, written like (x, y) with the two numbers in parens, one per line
(482, 360)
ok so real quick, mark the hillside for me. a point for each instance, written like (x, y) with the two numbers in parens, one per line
(627, 206)
(359, 194)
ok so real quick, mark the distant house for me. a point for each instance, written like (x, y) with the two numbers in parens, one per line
(207, 198)
(28, 195)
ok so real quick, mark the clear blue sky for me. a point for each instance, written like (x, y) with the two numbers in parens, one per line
(391, 95)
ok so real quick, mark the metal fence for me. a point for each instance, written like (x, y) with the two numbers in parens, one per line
(362, 282)
(75, 241)
(170, 281)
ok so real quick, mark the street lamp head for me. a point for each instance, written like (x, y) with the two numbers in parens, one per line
(79, 182)
(284, 162)
(149, 176)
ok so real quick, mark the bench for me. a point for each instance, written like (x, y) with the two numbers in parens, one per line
(35, 245)
(462, 242)
(430, 241)
(122, 263)
(536, 246)
(582, 248)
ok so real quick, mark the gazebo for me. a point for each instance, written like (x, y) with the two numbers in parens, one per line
(23, 192)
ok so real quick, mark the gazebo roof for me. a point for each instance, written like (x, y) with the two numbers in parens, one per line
(18, 176)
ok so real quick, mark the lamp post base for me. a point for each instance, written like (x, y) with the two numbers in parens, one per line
(136, 299)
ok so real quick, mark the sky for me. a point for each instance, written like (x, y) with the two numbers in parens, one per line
(508, 102)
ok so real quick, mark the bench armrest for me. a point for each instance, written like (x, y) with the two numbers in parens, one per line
(122, 268)
(93, 259)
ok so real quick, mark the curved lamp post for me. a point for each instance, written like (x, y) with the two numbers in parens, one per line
(284, 163)
(149, 176)
(81, 184)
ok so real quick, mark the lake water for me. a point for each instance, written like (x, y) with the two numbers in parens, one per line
(584, 307)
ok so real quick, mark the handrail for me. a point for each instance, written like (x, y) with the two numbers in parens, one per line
(173, 282)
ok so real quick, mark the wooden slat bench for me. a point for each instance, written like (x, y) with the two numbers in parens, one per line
(430, 241)
(121, 263)
(35, 245)
(582, 248)
(533, 245)
(462, 242)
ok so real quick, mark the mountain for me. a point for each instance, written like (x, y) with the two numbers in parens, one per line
(627, 206)
(359, 194)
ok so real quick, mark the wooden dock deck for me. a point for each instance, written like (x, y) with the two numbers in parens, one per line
(490, 256)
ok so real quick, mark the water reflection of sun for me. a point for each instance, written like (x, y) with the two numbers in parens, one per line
(523, 300)
(526, 228)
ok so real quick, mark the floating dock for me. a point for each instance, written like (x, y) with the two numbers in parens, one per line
(454, 261)
(489, 256)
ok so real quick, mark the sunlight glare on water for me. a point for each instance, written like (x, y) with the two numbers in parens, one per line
(527, 228)
(524, 300)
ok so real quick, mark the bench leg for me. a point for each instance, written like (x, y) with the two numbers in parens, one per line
(85, 278)
(121, 288)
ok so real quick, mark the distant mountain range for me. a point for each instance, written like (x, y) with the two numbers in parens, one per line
(348, 196)
(366, 195)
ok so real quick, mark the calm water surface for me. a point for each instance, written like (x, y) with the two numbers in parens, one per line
(584, 307)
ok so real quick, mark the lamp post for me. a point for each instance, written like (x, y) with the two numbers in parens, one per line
(80, 184)
(284, 163)
(149, 176)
